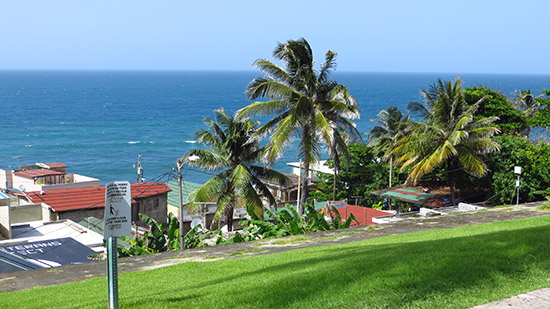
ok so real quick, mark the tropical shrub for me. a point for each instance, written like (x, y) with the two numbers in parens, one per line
(155, 240)
(287, 221)
(535, 162)
(362, 174)
(510, 120)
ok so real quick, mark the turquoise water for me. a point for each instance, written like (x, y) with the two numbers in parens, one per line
(97, 122)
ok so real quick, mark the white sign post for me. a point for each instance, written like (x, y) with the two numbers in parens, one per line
(117, 222)
(517, 170)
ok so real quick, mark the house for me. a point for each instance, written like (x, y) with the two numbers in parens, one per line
(314, 168)
(416, 197)
(44, 177)
(284, 194)
(363, 215)
(76, 204)
(203, 213)
(173, 197)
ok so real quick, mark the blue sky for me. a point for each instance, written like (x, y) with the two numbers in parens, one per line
(482, 36)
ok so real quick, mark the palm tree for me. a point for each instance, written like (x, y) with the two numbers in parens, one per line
(450, 136)
(306, 103)
(232, 154)
(393, 125)
(526, 101)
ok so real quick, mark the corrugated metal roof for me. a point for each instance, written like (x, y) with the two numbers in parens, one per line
(56, 165)
(37, 173)
(364, 215)
(186, 188)
(91, 197)
(403, 194)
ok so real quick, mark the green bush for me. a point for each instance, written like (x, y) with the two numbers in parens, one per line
(535, 162)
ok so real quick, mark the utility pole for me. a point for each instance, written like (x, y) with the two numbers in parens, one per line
(139, 169)
(192, 158)
(180, 205)
(299, 187)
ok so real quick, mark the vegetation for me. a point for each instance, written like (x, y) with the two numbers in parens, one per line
(233, 153)
(534, 160)
(305, 103)
(494, 104)
(450, 137)
(526, 101)
(158, 239)
(541, 118)
(392, 126)
(362, 175)
(451, 268)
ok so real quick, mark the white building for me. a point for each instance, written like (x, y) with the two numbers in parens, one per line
(44, 177)
(318, 167)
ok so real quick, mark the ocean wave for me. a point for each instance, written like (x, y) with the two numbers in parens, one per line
(191, 142)
(28, 145)
(134, 142)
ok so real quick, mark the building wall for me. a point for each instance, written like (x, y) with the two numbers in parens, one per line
(154, 206)
(6, 179)
(26, 213)
(79, 182)
(5, 223)
(28, 183)
(79, 214)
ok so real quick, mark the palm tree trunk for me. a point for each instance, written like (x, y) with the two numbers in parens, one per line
(229, 218)
(304, 193)
(450, 180)
(391, 172)
(336, 165)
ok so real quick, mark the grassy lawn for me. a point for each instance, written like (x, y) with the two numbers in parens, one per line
(457, 267)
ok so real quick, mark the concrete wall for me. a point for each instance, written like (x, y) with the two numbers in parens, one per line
(5, 223)
(26, 213)
(80, 182)
(6, 177)
(154, 206)
(28, 183)
(79, 214)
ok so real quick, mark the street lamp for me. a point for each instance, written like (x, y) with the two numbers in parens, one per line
(517, 170)
(180, 162)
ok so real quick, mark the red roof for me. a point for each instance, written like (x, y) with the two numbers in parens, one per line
(364, 215)
(37, 173)
(91, 197)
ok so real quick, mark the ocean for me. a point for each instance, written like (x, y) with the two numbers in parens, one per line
(97, 122)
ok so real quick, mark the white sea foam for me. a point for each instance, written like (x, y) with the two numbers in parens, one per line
(134, 142)
(191, 142)
(28, 145)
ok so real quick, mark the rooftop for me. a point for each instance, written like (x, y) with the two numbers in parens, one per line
(54, 165)
(91, 197)
(186, 189)
(37, 173)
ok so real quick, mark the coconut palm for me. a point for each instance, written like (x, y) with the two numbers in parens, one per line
(305, 103)
(392, 126)
(526, 101)
(450, 137)
(232, 153)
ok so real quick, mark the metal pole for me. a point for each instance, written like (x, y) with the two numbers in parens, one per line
(180, 219)
(112, 272)
(518, 184)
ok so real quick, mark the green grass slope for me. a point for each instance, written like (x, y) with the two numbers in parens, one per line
(457, 267)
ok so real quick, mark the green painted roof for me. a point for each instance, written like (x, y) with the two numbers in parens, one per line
(404, 194)
(186, 188)
(93, 224)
